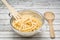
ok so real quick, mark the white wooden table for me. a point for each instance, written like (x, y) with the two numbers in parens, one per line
(6, 33)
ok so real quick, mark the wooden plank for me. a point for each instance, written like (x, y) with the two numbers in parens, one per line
(35, 6)
(41, 34)
(4, 21)
(4, 10)
(41, 10)
(4, 16)
(28, 38)
(5, 27)
(34, 1)
(19, 38)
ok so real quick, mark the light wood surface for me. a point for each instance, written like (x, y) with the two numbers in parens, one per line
(6, 32)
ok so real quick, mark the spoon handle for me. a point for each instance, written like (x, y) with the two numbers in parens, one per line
(11, 9)
(52, 34)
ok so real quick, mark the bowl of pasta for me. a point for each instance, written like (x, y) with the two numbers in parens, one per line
(30, 23)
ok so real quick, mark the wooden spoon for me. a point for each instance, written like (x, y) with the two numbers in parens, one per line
(49, 16)
(13, 12)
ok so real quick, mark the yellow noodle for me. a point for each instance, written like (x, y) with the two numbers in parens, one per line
(28, 23)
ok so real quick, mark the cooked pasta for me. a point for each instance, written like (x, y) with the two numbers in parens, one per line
(28, 23)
